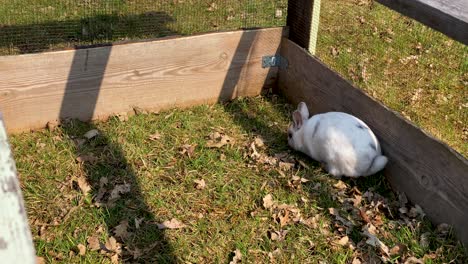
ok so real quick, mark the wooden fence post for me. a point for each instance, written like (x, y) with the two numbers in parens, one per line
(303, 22)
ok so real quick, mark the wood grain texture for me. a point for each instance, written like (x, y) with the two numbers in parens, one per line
(429, 172)
(97, 82)
(447, 16)
(16, 245)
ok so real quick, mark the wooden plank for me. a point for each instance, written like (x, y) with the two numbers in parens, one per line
(447, 16)
(97, 82)
(429, 172)
(16, 244)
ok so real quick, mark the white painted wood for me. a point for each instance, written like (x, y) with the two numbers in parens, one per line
(16, 245)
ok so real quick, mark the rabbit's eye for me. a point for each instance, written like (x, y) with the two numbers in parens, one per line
(289, 135)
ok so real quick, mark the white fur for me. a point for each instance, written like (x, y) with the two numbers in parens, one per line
(344, 144)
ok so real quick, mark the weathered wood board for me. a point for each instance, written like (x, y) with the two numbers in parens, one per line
(429, 172)
(97, 82)
(447, 16)
(16, 245)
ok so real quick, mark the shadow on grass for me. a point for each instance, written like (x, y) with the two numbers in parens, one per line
(94, 29)
(87, 71)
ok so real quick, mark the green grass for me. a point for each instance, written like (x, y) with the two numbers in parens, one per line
(227, 214)
(374, 48)
(31, 26)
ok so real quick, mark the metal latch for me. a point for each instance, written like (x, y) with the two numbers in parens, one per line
(274, 61)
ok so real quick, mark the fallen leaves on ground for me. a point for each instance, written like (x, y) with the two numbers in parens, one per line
(200, 184)
(81, 249)
(118, 190)
(93, 243)
(121, 230)
(218, 140)
(188, 149)
(342, 241)
(86, 158)
(84, 186)
(91, 134)
(237, 257)
(172, 224)
(155, 136)
(369, 232)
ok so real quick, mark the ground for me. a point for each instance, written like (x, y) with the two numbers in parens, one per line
(194, 186)
(200, 185)
(411, 68)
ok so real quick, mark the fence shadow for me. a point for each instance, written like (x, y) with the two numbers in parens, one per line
(99, 29)
(80, 99)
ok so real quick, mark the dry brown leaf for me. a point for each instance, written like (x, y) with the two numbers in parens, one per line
(424, 240)
(81, 249)
(217, 140)
(237, 257)
(303, 164)
(200, 184)
(443, 228)
(91, 134)
(413, 260)
(342, 242)
(259, 142)
(86, 158)
(311, 222)
(172, 224)
(115, 259)
(345, 222)
(188, 149)
(121, 230)
(138, 222)
(118, 190)
(398, 249)
(284, 218)
(416, 211)
(268, 201)
(213, 6)
(136, 253)
(52, 125)
(278, 13)
(79, 142)
(357, 200)
(102, 190)
(93, 243)
(112, 245)
(299, 179)
(285, 165)
(155, 136)
(334, 51)
(122, 116)
(278, 235)
(40, 260)
(84, 186)
(372, 240)
(340, 185)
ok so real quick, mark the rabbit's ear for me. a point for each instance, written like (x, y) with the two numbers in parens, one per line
(302, 108)
(298, 120)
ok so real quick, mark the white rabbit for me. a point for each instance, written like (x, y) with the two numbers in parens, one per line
(344, 144)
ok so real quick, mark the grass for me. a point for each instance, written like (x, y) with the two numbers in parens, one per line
(226, 215)
(410, 68)
(30, 26)
(407, 66)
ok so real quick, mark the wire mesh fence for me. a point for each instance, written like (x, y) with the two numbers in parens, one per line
(28, 26)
